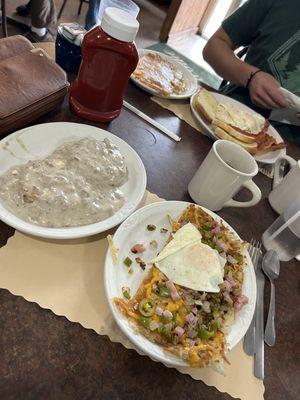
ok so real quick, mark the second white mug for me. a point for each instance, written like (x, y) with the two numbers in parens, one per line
(226, 169)
(285, 189)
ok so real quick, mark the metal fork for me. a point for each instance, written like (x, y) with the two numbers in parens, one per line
(254, 251)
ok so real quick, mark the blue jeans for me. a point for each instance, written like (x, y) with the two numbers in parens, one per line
(92, 14)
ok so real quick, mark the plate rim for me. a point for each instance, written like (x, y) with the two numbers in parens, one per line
(79, 231)
(210, 134)
(146, 88)
(114, 311)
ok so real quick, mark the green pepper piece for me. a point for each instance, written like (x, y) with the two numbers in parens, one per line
(214, 326)
(165, 332)
(126, 293)
(151, 227)
(164, 291)
(147, 307)
(239, 258)
(206, 226)
(127, 261)
(145, 322)
(204, 334)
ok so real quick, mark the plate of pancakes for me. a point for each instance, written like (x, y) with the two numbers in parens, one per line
(164, 76)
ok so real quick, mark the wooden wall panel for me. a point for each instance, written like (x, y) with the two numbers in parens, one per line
(183, 18)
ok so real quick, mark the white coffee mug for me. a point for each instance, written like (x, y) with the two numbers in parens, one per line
(226, 169)
(285, 189)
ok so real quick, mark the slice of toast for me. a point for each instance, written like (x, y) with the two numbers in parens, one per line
(206, 104)
(235, 132)
(222, 134)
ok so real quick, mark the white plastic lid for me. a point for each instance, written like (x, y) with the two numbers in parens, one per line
(119, 24)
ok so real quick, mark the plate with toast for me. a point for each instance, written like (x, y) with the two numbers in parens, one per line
(222, 117)
(163, 76)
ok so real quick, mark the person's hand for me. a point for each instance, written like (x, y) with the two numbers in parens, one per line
(263, 90)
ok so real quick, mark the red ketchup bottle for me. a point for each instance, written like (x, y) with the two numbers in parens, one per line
(109, 57)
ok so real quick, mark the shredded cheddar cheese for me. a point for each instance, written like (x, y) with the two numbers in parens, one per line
(114, 250)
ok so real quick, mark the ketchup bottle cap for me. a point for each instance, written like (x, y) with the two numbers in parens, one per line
(119, 24)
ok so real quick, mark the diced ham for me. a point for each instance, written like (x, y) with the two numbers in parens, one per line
(226, 285)
(179, 331)
(190, 318)
(159, 311)
(206, 307)
(215, 230)
(173, 291)
(233, 284)
(227, 297)
(231, 259)
(221, 244)
(138, 248)
(240, 302)
(168, 314)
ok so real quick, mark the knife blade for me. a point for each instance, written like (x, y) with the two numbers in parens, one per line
(259, 324)
(249, 338)
(248, 344)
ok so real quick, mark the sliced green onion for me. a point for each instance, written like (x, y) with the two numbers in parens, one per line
(126, 292)
(127, 261)
(151, 227)
(164, 291)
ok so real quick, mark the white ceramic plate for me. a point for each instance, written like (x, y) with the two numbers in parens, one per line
(189, 78)
(267, 158)
(133, 231)
(38, 142)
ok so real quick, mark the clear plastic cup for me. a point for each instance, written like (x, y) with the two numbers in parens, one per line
(126, 5)
(283, 235)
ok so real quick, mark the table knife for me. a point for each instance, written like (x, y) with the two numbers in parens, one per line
(259, 324)
(248, 344)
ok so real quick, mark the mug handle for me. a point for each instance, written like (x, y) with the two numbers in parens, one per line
(277, 179)
(250, 185)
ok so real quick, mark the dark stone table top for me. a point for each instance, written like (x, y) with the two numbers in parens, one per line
(43, 356)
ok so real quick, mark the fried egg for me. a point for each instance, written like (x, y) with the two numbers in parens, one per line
(230, 114)
(188, 262)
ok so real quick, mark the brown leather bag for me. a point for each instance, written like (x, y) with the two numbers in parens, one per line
(31, 84)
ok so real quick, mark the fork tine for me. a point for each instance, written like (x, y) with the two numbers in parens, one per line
(254, 250)
(251, 248)
(257, 252)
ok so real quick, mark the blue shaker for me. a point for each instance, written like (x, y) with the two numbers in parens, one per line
(68, 46)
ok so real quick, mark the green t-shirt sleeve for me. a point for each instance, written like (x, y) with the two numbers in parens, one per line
(243, 25)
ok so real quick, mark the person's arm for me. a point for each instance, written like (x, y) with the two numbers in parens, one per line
(263, 88)
(240, 29)
(219, 53)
